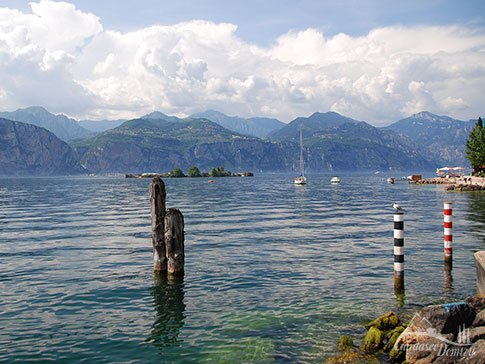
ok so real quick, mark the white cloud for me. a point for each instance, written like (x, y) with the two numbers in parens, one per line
(37, 53)
(191, 66)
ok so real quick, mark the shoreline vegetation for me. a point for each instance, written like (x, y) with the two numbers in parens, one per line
(192, 172)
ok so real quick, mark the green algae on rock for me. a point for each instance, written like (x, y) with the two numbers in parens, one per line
(353, 357)
(387, 322)
(392, 337)
(345, 343)
(373, 340)
(397, 356)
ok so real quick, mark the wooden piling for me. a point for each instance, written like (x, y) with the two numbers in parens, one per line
(157, 205)
(174, 241)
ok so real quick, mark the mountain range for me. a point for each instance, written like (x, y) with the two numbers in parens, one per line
(257, 126)
(98, 126)
(337, 142)
(142, 145)
(63, 127)
(158, 142)
(443, 136)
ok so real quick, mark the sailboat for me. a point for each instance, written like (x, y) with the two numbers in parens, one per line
(301, 179)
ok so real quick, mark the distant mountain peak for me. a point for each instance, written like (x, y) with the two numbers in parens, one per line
(62, 126)
(320, 114)
(215, 112)
(256, 126)
(426, 115)
(331, 117)
(423, 114)
(35, 109)
(316, 121)
(160, 115)
(154, 114)
(443, 136)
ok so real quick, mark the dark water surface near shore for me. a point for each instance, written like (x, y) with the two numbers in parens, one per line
(274, 272)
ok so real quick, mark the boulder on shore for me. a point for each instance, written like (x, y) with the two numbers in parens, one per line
(437, 320)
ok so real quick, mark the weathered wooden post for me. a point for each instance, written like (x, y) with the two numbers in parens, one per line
(157, 205)
(174, 241)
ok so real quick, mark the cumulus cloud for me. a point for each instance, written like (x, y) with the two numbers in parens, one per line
(188, 67)
(37, 53)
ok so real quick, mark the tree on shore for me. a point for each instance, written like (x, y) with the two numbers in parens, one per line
(219, 172)
(177, 172)
(475, 146)
(193, 172)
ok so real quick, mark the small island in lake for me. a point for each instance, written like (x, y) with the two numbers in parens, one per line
(192, 172)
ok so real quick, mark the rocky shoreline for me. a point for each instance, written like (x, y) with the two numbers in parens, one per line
(439, 334)
(465, 188)
(465, 183)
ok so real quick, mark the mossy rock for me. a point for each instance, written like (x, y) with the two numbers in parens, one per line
(397, 356)
(392, 337)
(373, 340)
(353, 357)
(345, 343)
(387, 322)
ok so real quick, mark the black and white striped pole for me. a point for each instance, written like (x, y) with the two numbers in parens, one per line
(399, 250)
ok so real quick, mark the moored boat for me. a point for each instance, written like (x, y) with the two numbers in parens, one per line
(301, 179)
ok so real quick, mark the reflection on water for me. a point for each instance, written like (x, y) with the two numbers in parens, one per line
(448, 282)
(168, 301)
(399, 288)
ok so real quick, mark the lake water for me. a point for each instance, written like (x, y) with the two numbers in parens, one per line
(274, 273)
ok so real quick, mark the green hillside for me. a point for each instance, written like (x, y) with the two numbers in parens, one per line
(141, 145)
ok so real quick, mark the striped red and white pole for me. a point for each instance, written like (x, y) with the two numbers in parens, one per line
(399, 250)
(448, 240)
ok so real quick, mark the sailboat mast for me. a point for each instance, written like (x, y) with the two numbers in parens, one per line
(302, 164)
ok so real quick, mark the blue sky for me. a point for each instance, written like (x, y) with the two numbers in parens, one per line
(262, 21)
(371, 60)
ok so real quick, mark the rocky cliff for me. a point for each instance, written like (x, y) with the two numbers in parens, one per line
(26, 149)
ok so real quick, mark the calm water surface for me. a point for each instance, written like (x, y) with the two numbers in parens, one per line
(275, 273)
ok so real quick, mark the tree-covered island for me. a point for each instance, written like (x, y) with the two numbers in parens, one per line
(192, 172)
